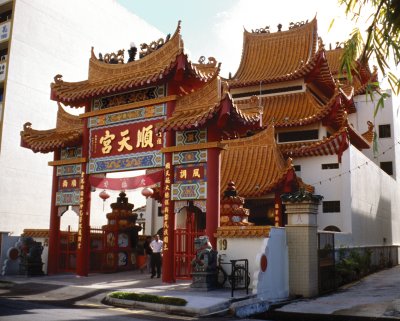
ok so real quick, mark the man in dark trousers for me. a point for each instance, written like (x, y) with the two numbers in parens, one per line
(156, 245)
(147, 251)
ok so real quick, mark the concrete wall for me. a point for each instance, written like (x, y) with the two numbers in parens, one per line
(242, 248)
(49, 38)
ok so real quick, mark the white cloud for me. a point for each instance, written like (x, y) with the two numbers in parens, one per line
(253, 14)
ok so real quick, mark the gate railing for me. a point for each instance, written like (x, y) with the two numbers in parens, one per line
(184, 252)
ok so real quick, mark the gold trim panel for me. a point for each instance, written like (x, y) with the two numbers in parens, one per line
(243, 231)
(154, 101)
(183, 148)
(68, 161)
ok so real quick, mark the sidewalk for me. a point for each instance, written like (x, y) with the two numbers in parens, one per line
(94, 289)
(375, 297)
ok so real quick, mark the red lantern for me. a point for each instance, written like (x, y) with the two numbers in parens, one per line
(147, 192)
(104, 195)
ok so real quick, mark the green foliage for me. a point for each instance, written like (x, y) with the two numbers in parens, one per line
(353, 264)
(143, 297)
(382, 40)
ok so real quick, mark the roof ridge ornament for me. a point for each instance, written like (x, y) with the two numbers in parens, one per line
(293, 25)
(261, 30)
(113, 58)
(153, 46)
(212, 62)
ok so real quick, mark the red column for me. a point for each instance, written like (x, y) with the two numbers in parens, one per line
(54, 233)
(213, 194)
(83, 247)
(168, 266)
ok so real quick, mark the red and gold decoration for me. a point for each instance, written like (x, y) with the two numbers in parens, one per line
(232, 211)
(120, 236)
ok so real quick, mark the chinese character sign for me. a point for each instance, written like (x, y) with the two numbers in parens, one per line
(167, 199)
(5, 30)
(193, 172)
(129, 138)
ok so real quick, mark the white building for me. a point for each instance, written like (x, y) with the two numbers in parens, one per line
(39, 39)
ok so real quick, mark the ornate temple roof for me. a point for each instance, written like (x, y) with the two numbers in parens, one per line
(68, 133)
(243, 155)
(105, 78)
(194, 109)
(335, 144)
(287, 110)
(361, 76)
(280, 56)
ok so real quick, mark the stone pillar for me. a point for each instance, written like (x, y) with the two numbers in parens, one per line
(302, 241)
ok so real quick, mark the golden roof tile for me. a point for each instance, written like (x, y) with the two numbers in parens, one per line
(243, 155)
(279, 56)
(287, 110)
(335, 144)
(327, 146)
(105, 78)
(68, 133)
(369, 134)
(360, 77)
(194, 109)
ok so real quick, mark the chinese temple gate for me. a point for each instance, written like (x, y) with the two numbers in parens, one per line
(164, 113)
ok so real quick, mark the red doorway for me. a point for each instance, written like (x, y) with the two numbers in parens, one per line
(190, 224)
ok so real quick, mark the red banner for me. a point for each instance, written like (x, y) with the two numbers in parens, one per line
(118, 184)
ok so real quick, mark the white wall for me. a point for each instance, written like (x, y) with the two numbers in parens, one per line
(50, 37)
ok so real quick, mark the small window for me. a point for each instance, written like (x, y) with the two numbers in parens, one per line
(387, 167)
(331, 207)
(159, 211)
(332, 228)
(384, 131)
(330, 166)
(297, 168)
(298, 136)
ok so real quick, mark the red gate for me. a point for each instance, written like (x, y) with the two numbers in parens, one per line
(184, 251)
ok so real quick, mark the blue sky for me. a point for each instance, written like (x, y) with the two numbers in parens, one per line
(215, 27)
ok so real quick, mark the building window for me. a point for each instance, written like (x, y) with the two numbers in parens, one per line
(330, 166)
(297, 168)
(331, 207)
(332, 228)
(384, 131)
(387, 167)
(159, 211)
(298, 136)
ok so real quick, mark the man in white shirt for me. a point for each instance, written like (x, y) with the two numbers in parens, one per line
(156, 245)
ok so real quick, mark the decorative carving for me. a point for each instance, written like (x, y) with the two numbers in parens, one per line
(153, 46)
(206, 257)
(27, 126)
(212, 62)
(320, 43)
(261, 30)
(58, 78)
(31, 256)
(279, 27)
(113, 58)
(339, 45)
(132, 52)
(232, 211)
(293, 25)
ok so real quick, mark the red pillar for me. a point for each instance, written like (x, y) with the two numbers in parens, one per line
(54, 233)
(83, 247)
(168, 266)
(278, 209)
(213, 193)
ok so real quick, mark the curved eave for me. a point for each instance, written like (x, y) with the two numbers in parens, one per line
(45, 141)
(68, 133)
(274, 57)
(255, 164)
(357, 139)
(289, 110)
(333, 145)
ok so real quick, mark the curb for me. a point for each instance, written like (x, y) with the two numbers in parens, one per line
(222, 308)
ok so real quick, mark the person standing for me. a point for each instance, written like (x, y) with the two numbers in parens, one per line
(147, 251)
(156, 257)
